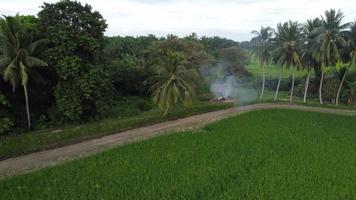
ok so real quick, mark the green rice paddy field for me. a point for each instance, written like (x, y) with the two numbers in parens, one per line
(269, 154)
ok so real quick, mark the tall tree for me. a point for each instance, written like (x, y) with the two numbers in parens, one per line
(351, 50)
(328, 42)
(173, 83)
(262, 50)
(286, 53)
(307, 58)
(17, 58)
(77, 34)
(352, 42)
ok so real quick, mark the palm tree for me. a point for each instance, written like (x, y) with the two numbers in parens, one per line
(262, 50)
(16, 62)
(288, 37)
(328, 41)
(174, 82)
(307, 53)
(351, 45)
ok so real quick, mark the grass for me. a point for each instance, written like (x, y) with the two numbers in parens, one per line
(38, 140)
(273, 71)
(269, 154)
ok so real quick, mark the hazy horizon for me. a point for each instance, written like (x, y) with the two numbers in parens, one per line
(231, 19)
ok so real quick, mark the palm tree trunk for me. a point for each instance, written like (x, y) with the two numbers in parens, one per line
(27, 107)
(292, 90)
(321, 87)
(263, 82)
(340, 87)
(278, 85)
(306, 88)
(166, 111)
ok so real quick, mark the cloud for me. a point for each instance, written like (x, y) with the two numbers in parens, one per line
(229, 18)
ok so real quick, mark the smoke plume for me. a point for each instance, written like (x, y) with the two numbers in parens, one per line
(223, 83)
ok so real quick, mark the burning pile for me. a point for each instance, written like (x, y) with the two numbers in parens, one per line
(221, 99)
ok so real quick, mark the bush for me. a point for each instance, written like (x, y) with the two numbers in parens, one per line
(5, 123)
(330, 87)
(130, 106)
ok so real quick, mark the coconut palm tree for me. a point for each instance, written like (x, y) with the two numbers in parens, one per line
(262, 50)
(286, 53)
(351, 46)
(16, 62)
(174, 82)
(307, 58)
(329, 40)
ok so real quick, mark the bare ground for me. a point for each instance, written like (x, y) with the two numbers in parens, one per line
(38, 160)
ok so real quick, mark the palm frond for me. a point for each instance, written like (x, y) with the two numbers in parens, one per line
(34, 62)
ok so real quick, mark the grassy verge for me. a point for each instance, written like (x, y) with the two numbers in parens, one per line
(34, 141)
(269, 154)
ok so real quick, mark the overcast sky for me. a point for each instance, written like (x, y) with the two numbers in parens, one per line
(234, 19)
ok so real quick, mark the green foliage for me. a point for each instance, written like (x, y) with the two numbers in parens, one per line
(17, 60)
(291, 154)
(307, 49)
(131, 106)
(329, 38)
(174, 82)
(235, 59)
(288, 39)
(213, 45)
(262, 45)
(5, 122)
(193, 51)
(77, 36)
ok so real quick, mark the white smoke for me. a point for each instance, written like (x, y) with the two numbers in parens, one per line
(224, 84)
(223, 88)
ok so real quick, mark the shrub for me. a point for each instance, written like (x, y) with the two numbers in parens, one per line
(5, 122)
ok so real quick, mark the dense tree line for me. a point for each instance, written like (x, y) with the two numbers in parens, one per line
(324, 44)
(58, 67)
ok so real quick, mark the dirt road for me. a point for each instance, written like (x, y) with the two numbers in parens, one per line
(38, 160)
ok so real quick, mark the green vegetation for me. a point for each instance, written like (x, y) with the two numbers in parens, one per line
(88, 73)
(290, 154)
(174, 84)
(272, 71)
(324, 44)
(38, 140)
(17, 59)
(263, 50)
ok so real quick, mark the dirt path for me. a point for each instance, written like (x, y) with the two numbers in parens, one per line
(38, 160)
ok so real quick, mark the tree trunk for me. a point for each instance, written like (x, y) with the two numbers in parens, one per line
(292, 90)
(263, 82)
(306, 88)
(321, 87)
(340, 87)
(27, 107)
(278, 85)
(166, 111)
